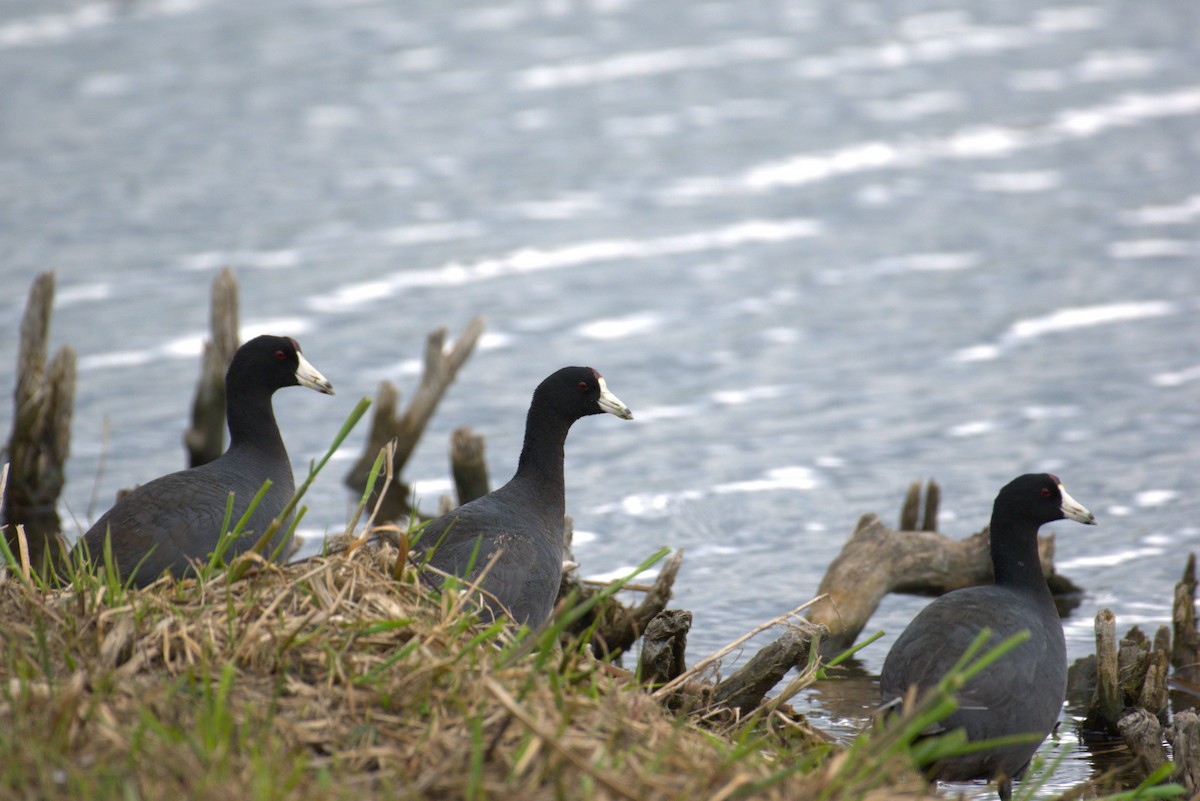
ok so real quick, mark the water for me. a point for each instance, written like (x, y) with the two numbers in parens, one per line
(821, 249)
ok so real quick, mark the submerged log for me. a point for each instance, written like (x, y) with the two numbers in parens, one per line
(441, 368)
(876, 561)
(39, 443)
(205, 439)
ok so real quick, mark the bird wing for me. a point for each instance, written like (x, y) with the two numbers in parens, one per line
(523, 567)
(165, 523)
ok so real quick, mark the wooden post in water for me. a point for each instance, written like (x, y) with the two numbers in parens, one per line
(205, 440)
(1185, 650)
(41, 435)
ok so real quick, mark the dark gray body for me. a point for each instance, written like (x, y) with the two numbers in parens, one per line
(1021, 693)
(175, 520)
(524, 520)
(520, 525)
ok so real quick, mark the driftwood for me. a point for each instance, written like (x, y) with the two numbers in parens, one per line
(468, 465)
(205, 439)
(41, 434)
(877, 560)
(910, 511)
(746, 688)
(441, 367)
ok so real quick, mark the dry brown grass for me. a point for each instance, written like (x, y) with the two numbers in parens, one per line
(328, 679)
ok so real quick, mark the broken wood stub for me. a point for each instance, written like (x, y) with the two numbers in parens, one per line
(205, 439)
(39, 443)
(1185, 650)
(1131, 694)
(1143, 733)
(910, 510)
(664, 647)
(441, 368)
(468, 465)
(1128, 674)
(1109, 701)
(1184, 736)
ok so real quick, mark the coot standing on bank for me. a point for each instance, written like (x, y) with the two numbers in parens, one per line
(523, 520)
(175, 520)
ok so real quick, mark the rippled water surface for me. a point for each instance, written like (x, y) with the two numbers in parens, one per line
(822, 249)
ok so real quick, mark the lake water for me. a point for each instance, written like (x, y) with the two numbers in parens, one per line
(822, 249)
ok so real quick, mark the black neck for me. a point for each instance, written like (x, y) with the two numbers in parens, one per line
(251, 420)
(1017, 564)
(542, 452)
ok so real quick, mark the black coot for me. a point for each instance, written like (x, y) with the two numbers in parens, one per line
(1023, 691)
(175, 520)
(523, 520)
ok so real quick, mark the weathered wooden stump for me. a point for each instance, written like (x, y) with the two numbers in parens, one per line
(1184, 736)
(40, 441)
(1124, 690)
(205, 439)
(1185, 649)
(441, 368)
(1125, 674)
(468, 465)
(1142, 732)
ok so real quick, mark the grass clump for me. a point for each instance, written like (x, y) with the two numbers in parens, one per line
(330, 679)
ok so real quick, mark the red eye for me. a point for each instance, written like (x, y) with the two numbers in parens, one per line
(583, 386)
(1045, 492)
(280, 356)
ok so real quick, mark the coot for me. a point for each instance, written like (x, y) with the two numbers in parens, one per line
(522, 521)
(175, 520)
(1023, 691)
